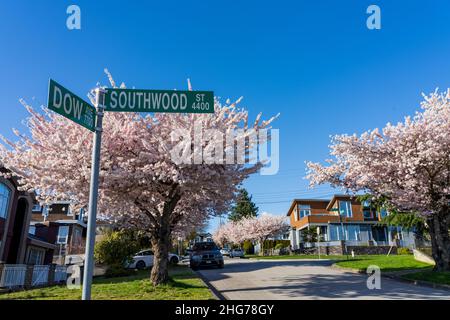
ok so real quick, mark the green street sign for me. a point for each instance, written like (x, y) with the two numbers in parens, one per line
(71, 106)
(173, 101)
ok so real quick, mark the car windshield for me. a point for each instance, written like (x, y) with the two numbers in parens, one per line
(204, 246)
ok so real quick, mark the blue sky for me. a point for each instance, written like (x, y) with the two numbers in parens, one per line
(315, 62)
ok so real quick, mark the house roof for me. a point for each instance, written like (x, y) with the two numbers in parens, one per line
(338, 197)
(35, 241)
(72, 221)
(329, 202)
(295, 201)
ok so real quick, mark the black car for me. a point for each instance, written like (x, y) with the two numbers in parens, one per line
(205, 254)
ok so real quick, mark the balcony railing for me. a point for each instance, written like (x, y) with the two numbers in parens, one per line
(22, 276)
(13, 275)
(40, 275)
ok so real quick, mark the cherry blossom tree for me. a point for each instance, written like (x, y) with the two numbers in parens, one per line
(254, 229)
(141, 186)
(408, 164)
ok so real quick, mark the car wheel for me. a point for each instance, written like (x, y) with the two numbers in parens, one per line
(140, 265)
(174, 260)
(221, 266)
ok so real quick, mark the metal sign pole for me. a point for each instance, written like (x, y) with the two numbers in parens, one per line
(93, 197)
(318, 240)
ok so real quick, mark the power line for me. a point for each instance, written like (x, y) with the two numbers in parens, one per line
(329, 195)
(296, 194)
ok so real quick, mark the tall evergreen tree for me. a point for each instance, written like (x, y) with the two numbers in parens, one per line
(244, 207)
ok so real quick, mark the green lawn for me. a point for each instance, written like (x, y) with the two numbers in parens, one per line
(430, 276)
(184, 285)
(296, 256)
(385, 263)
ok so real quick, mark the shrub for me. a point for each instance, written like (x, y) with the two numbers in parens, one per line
(248, 247)
(117, 270)
(403, 251)
(117, 247)
(271, 244)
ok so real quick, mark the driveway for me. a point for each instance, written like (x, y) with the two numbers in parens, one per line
(243, 279)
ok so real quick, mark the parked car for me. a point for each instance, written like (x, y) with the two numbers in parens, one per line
(225, 252)
(205, 254)
(237, 253)
(144, 259)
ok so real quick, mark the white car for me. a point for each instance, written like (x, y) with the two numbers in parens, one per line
(225, 252)
(237, 253)
(144, 259)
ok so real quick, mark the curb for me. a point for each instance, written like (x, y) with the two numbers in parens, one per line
(216, 293)
(350, 270)
(398, 277)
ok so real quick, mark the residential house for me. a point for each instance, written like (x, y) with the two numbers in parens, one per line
(17, 246)
(343, 218)
(61, 226)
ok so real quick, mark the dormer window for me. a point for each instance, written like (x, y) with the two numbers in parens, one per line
(304, 210)
(345, 209)
(4, 200)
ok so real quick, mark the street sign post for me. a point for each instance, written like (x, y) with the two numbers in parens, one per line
(71, 106)
(168, 101)
(93, 198)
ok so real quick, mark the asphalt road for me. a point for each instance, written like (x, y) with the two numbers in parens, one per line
(245, 279)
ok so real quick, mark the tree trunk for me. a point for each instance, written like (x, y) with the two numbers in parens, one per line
(440, 240)
(161, 240)
(160, 244)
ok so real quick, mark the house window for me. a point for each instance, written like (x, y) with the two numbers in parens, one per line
(336, 232)
(345, 208)
(35, 256)
(4, 200)
(36, 208)
(383, 213)
(45, 211)
(63, 234)
(304, 209)
(69, 210)
(366, 204)
(353, 232)
(76, 238)
(367, 213)
(81, 215)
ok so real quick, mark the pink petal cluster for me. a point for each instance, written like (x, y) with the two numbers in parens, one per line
(409, 163)
(140, 186)
(252, 229)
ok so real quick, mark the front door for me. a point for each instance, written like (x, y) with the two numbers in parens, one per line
(17, 239)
